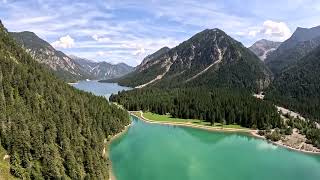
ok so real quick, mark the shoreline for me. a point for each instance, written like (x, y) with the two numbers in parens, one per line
(190, 125)
(108, 143)
(255, 134)
(252, 133)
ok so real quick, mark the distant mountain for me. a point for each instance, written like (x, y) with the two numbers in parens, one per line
(301, 42)
(263, 48)
(43, 52)
(65, 67)
(298, 86)
(102, 70)
(210, 58)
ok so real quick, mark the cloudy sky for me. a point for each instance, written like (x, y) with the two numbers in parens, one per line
(128, 30)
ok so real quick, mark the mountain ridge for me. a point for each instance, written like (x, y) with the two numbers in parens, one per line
(199, 57)
(64, 66)
(43, 52)
(297, 87)
(302, 41)
(102, 70)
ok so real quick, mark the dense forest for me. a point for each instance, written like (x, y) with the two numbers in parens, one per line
(297, 88)
(212, 105)
(50, 129)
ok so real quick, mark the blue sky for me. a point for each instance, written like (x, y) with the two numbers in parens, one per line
(128, 30)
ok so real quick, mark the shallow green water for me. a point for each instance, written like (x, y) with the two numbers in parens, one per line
(152, 152)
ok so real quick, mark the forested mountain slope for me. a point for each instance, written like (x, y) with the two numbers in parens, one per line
(298, 86)
(210, 58)
(50, 129)
(302, 42)
(62, 65)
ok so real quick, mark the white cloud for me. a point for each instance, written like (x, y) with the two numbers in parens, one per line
(277, 29)
(64, 42)
(272, 30)
(103, 53)
(100, 39)
(140, 51)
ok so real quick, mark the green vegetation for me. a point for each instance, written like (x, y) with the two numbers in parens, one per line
(210, 106)
(50, 129)
(274, 135)
(298, 87)
(168, 118)
(307, 128)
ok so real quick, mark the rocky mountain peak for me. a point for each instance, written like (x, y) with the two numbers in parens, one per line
(263, 48)
(199, 61)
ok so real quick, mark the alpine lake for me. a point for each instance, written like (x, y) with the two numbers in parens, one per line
(165, 152)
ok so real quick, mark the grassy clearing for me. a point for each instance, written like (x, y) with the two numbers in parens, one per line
(4, 166)
(157, 117)
(169, 118)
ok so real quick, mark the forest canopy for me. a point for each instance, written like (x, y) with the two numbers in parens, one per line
(50, 129)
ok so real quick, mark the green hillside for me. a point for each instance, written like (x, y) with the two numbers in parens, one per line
(50, 129)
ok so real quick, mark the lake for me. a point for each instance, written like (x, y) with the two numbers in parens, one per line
(99, 89)
(163, 152)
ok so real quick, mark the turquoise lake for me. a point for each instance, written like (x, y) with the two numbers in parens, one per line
(163, 152)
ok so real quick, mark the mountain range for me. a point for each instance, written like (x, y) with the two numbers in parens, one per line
(287, 71)
(209, 58)
(68, 68)
(101, 70)
(62, 65)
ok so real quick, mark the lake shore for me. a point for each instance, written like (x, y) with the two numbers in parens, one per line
(250, 132)
(114, 137)
(189, 124)
(279, 143)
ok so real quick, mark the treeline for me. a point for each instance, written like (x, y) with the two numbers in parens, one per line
(50, 129)
(214, 105)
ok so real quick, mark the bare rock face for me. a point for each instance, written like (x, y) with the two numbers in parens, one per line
(263, 48)
(209, 58)
(62, 65)
(68, 68)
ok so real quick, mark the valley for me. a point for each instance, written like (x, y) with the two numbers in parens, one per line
(174, 90)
